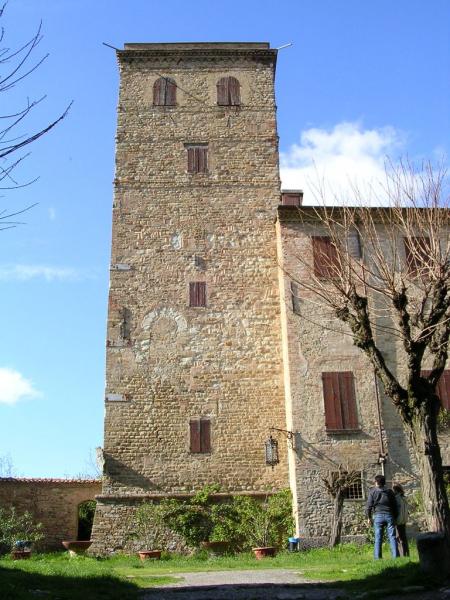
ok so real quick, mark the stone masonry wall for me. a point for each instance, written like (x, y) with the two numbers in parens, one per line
(222, 361)
(52, 502)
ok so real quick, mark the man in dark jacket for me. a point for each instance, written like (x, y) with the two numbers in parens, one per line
(381, 511)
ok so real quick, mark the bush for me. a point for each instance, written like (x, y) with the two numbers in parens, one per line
(16, 527)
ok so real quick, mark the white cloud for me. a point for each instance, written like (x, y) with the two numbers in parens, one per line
(52, 213)
(14, 387)
(339, 159)
(27, 272)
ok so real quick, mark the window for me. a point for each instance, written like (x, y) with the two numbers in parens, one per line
(295, 298)
(197, 293)
(326, 263)
(197, 158)
(355, 490)
(417, 252)
(340, 402)
(200, 436)
(442, 388)
(164, 92)
(228, 92)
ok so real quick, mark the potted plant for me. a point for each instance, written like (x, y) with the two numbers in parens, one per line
(147, 528)
(18, 532)
(264, 525)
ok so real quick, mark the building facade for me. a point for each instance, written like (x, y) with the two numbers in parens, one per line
(208, 344)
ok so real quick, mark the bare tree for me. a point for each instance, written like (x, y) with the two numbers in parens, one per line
(384, 274)
(337, 485)
(16, 64)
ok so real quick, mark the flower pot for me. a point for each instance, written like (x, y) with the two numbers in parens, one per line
(216, 548)
(264, 552)
(146, 554)
(20, 554)
(76, 547)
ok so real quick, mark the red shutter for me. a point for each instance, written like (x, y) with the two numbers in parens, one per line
(191, 159)
(324, 256)
(205, 435)
(443, 390)
(348, 400)
(333, 417)
(233, 91)
(222, 92)
(417, 250)
(194, 428)
(171, 92)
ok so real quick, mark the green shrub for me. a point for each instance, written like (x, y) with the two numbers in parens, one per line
(16, 527)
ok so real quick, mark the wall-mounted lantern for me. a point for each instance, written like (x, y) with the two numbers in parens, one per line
(272, 458)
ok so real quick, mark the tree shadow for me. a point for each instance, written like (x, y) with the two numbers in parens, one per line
(18, 584)
(391, 582)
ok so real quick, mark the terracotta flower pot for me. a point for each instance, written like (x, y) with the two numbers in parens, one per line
(264, 552)
(216, 548)
(76, 547)
(146, 554)
(20, 554)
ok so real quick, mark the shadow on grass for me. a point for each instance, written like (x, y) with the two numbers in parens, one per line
(18, 584)
(392, 582)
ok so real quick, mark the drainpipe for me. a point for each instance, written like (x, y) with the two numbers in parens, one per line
(382, 457)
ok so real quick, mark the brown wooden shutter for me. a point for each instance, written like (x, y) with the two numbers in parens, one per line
(194, 429)
(442, 387)
(159, 92)
(348, 400)
(202, 159)
(205, 435)
(191, 159)
(333, 417)
(234, 95)
(222, 92)
(417, 251)
(171, 92)
(324, 256)
(197, 293)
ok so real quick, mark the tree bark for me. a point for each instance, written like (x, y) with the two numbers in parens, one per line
(424, 440)
(336, 524)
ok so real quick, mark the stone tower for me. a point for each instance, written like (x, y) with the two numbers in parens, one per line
(194, 369)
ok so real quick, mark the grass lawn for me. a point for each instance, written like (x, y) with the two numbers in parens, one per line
(123, 577)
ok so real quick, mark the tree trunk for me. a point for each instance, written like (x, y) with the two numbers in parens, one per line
(423, 435)
(336, 524)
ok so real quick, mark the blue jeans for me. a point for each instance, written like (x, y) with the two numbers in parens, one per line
(380, 521)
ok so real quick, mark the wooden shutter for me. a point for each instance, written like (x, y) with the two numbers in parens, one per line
(191, 159)
(194, 429)
(222, 92)
(340, 401)
(348, 400)
(197, 293)
(442, 387)
(202, 159)
(333, 418)
(205, 435)
(171, 92)
(324, 256)
(417, 250)
(234, 95)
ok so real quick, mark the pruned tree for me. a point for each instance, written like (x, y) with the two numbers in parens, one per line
(384, 275)
(337, 485)
(16, 64)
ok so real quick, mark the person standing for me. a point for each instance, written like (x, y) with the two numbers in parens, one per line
(402, 518)
(381, 511)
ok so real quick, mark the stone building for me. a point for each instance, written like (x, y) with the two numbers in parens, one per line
(206, 351)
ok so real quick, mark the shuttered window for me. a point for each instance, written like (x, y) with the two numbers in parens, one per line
(340, 401)
(326, 264)
(200, 436)
(197, 293)
(228, 92)
(164, 92)
(197, 159)
(442, 388)
(417, 251)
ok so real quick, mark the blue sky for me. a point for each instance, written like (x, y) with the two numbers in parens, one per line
(362, 81)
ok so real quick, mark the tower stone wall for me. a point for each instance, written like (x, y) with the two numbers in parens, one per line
(168, 362)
